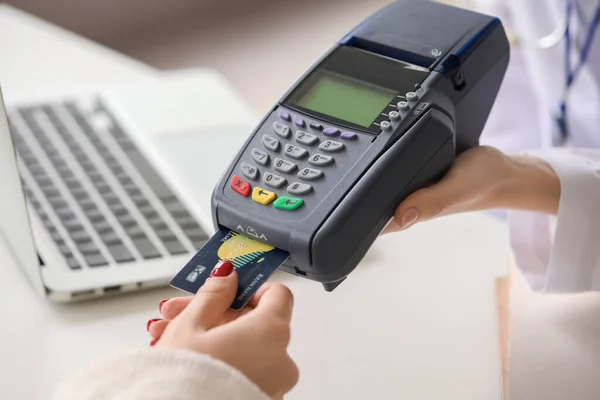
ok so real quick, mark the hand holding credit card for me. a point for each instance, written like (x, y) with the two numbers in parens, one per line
(254, 262)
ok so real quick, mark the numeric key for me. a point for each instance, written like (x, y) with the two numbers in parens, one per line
(284, 166)
(299, 188)
(306, 138)
(260, 156)
(281, 129)
(310, 174)
(270, 143)
(273, 180)
(295, 151)
(249, 171)
(320, 160)
(331, 147)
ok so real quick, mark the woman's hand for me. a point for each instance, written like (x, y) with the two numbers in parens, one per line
(254, 341)
(483, 178)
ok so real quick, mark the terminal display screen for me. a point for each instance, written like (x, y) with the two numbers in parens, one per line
(345, 98)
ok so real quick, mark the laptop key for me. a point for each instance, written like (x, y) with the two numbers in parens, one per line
(67, 174)
(103, 188)
(95, 260)
(103, 227)
(120, 253)
(87, 204)
(51, 192)
(79, 193)
(36, 170)
(150, 214)
(188, 224)
(44, 181)
(80, 237)
(121, 212)
(125, 180)
(111, 238)
(142, 204)
(117, 206)
(135, 232)
(115, 167)
(57, 202)
(88, 248)
(48, 224)
(146, 248)
(94, 175)
(95, 215)
(159, 226)
(173, 205)
(72, 224)
(181, 214)
(198, 231)
(64, 249)
(88, 165)
(111, 198)
(70, 181)
(152, 178)
(73, 263)
(77, 151)
(198, 241)
(134, 192)
(55, 235)
(165, 234)
(175, 247)
(127, 221)
(64, 212)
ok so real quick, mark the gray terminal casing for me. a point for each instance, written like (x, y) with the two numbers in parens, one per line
(461, 57)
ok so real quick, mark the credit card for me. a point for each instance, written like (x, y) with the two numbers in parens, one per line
(254, 262)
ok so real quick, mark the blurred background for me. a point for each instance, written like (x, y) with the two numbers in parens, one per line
(255, 44)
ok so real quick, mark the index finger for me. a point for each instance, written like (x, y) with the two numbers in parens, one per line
(274, 298)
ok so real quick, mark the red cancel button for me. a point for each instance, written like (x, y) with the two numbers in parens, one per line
(240, 186)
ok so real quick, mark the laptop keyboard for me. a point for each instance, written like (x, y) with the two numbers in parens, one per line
(99, 197)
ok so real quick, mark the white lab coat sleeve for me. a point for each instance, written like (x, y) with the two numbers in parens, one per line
(561, 254)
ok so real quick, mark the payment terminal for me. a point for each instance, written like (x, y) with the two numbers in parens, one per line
(384, 112)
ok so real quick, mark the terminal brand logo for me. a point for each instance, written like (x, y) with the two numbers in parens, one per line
(250, 231)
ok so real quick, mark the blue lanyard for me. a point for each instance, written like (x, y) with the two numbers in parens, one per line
(572, 73)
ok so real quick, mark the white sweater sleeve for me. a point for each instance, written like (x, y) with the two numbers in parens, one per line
(159, 374)
(562, 254)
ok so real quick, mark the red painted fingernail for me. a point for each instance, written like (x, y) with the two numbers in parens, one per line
(223, 268)
(150, 322)
(153, 342)
(161, 303)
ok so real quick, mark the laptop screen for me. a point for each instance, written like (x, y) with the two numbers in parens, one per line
(15, 228)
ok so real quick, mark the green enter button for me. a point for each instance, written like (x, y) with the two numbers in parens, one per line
(288, 203)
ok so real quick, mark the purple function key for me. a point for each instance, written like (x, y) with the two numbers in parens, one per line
(284, 115)
(299, 121)
(331, 132)
(349, 136)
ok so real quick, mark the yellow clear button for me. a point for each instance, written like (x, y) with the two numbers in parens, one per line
(262, 196)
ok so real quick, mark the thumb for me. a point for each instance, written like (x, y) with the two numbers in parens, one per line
(425, 204)
(214, 297)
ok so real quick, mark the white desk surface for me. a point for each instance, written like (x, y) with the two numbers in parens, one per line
(416, 320)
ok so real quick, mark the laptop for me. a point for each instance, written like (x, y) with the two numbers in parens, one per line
(90, 204)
